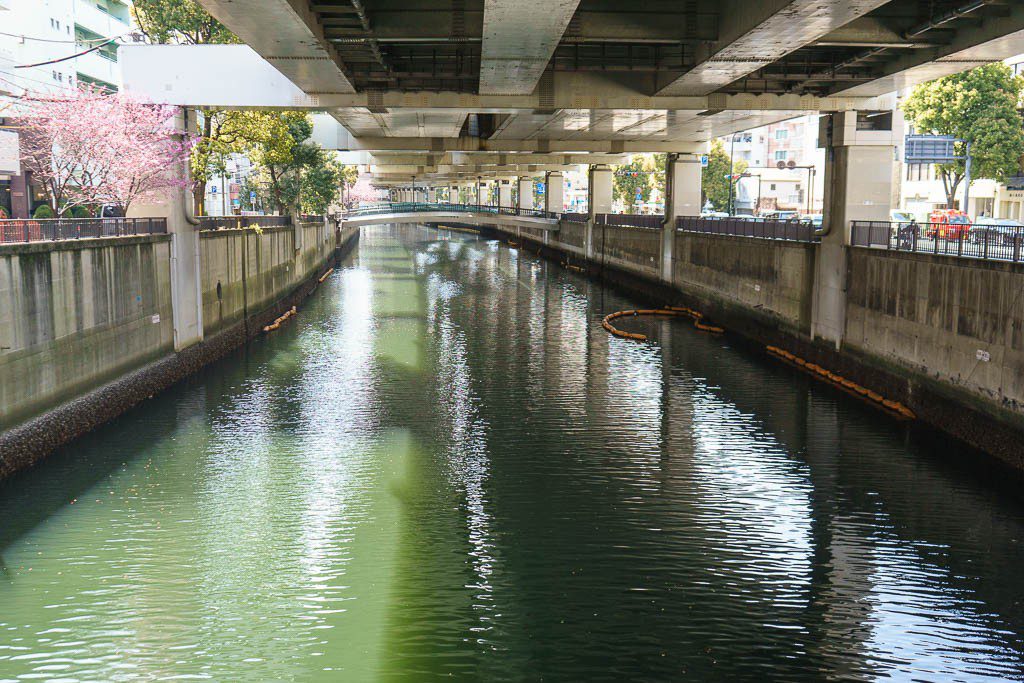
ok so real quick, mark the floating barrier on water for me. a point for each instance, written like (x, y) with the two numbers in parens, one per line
(849, 386)
(287, 314)
(578, 269)
(668, 310)
(513, 244)
(326, 275)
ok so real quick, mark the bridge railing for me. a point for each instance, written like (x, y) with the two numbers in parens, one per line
(635, 220)
(417, 207)
(998, 241)
(763, 228)
(237, 222)
(56, 229)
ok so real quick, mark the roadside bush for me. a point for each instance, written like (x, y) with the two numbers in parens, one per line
(42, 211)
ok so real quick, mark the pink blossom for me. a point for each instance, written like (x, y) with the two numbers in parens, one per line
(92, 147)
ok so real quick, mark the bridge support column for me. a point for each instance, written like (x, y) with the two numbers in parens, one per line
(599, 200)
(525, 193)
(483, 194)
(505, 194)
(186, 288)
(453, 194)
(554, 192)
(431, 195)
(682, 198)
(858, 186)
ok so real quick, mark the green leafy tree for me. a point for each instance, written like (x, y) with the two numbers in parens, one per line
(218, 133)
(181, 22)
(296, 172)
(979, 106)
(632, 179)
(718, 175)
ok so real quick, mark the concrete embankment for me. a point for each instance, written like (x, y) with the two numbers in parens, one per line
(87, 328)
(942, 335)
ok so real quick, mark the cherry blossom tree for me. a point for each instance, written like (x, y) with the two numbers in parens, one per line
(89, 146)
(362, 192)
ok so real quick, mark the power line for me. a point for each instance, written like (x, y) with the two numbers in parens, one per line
(64, 59)
(52, 40)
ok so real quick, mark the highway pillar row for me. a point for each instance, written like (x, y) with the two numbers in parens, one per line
(186, 288)
(683, 175)
(554, 192)
(525, 193)
(431, 195)
(858, 186)
(453, 194)
(505, 194)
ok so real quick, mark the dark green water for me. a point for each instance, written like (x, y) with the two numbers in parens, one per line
(445, 468)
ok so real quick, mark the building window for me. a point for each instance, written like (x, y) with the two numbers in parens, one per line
(781, 155)
(781, 134)
(772, 187)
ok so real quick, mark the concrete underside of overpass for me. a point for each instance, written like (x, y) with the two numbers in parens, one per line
(414, 85)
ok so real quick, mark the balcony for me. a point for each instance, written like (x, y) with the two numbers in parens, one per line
(99, 68)
(92, 18)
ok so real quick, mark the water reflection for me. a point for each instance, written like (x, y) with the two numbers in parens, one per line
(446, 468)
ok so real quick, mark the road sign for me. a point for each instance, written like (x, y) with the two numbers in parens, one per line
(213, 189)
(930, 149)
(252, 196)
(703, 160)
(639, 195)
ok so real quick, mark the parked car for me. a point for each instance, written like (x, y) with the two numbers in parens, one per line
(902, 216)
(815, 219)
(997, 230)
(948, 224)
(781, 215)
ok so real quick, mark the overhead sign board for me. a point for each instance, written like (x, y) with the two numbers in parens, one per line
(10, 155)
(930, 149)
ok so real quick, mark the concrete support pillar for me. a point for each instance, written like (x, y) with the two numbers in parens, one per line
(554, 192)
(858, 186)
(599, 192)
(483, 194)
(453, 194)
(505, 194)
(186, 288)
(682, 198)
(525, 193)
(599, 200)
(431, 195)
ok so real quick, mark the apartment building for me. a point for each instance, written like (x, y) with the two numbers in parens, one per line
(37, 37)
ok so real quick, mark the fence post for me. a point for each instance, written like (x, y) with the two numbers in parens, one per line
(985, 247)
(960, 243)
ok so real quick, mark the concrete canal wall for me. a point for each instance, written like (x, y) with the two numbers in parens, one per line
(943, 335)
(957, 322)
(76, 314)
(245, 270)
(87, 325)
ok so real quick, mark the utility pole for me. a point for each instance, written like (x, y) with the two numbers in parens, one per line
(732, 169)
(967, 180)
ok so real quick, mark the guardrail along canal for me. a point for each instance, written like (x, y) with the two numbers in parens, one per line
(444, 466)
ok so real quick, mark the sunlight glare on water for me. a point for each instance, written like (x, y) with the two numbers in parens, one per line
(444, 467)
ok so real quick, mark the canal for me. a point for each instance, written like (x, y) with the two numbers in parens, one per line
(445, 468)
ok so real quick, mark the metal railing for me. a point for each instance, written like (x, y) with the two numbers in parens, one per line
(995, 242)
(635, 220)
(762, 228)
(57, 229)
(575, 217)
(415, 207)
(237, 222)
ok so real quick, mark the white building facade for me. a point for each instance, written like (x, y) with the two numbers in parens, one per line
(38, 38)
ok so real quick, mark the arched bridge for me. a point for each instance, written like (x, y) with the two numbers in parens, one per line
(468, 214)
